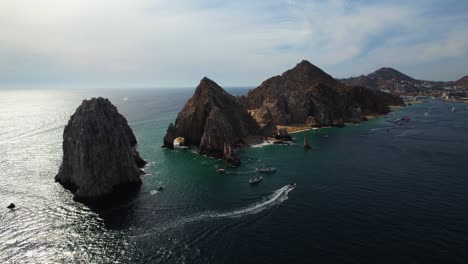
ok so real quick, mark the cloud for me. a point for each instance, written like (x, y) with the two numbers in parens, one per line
(175, 43)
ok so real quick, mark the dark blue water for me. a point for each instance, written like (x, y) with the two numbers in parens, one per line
(369, 193)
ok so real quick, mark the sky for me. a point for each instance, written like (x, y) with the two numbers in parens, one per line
(160, 43)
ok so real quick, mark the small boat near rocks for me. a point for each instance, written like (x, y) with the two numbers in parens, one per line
(255, 179)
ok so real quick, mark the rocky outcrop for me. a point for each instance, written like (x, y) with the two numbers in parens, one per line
(100, 155)
(230, 156)
(306, 94)
(210, 120)
(283, 135)
(269, 129)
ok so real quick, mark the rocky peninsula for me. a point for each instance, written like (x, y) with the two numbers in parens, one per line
(100, 156)
(308, 95)
(217, 122)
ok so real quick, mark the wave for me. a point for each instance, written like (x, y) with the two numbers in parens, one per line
(276, 198)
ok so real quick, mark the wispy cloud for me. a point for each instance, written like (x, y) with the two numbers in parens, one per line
(175, 43)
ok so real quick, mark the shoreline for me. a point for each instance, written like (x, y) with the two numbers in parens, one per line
(298, 128)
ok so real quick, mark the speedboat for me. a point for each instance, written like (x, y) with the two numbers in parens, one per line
(160, 188)
(255, 179)
(267, 169)
(221, 170)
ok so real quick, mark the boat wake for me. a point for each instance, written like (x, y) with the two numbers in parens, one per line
(380, 128)
(253, 170)
(263, 144)
(276, 198)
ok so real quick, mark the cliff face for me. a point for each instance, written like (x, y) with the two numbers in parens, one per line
(99, 152)
(306, 94)
(211, 119)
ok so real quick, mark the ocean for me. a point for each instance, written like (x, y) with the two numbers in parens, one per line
(374, 192)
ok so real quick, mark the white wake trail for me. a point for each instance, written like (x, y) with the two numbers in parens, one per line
(277, 197)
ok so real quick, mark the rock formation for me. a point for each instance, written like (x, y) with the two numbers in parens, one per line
(269, 129)
(230, 157)
(283, 135)
(306, 94)
(212, 119)
(217, 122)
(100, 154)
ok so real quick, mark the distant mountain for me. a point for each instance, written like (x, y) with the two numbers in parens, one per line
(389, 79)
(390, 74)
(463, 82)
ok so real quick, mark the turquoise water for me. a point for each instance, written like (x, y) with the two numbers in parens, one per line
(367, 193)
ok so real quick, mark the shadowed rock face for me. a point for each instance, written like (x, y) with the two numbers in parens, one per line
(211, 119)
(306, 94)
(100, 154)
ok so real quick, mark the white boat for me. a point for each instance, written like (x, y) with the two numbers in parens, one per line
(453, 109)
(255, 179)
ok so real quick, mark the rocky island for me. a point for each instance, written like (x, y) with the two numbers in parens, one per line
(217, 122)
(100, 156)
(213, 120)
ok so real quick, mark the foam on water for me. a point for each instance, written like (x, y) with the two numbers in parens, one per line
(263, 144)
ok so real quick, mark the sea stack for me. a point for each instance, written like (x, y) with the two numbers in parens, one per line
(100, 156)
(214, 121)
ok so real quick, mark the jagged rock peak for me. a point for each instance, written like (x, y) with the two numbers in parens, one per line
(308, 68)
(305, 71)
(206, 84)
(100, 154)
(210, 119)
